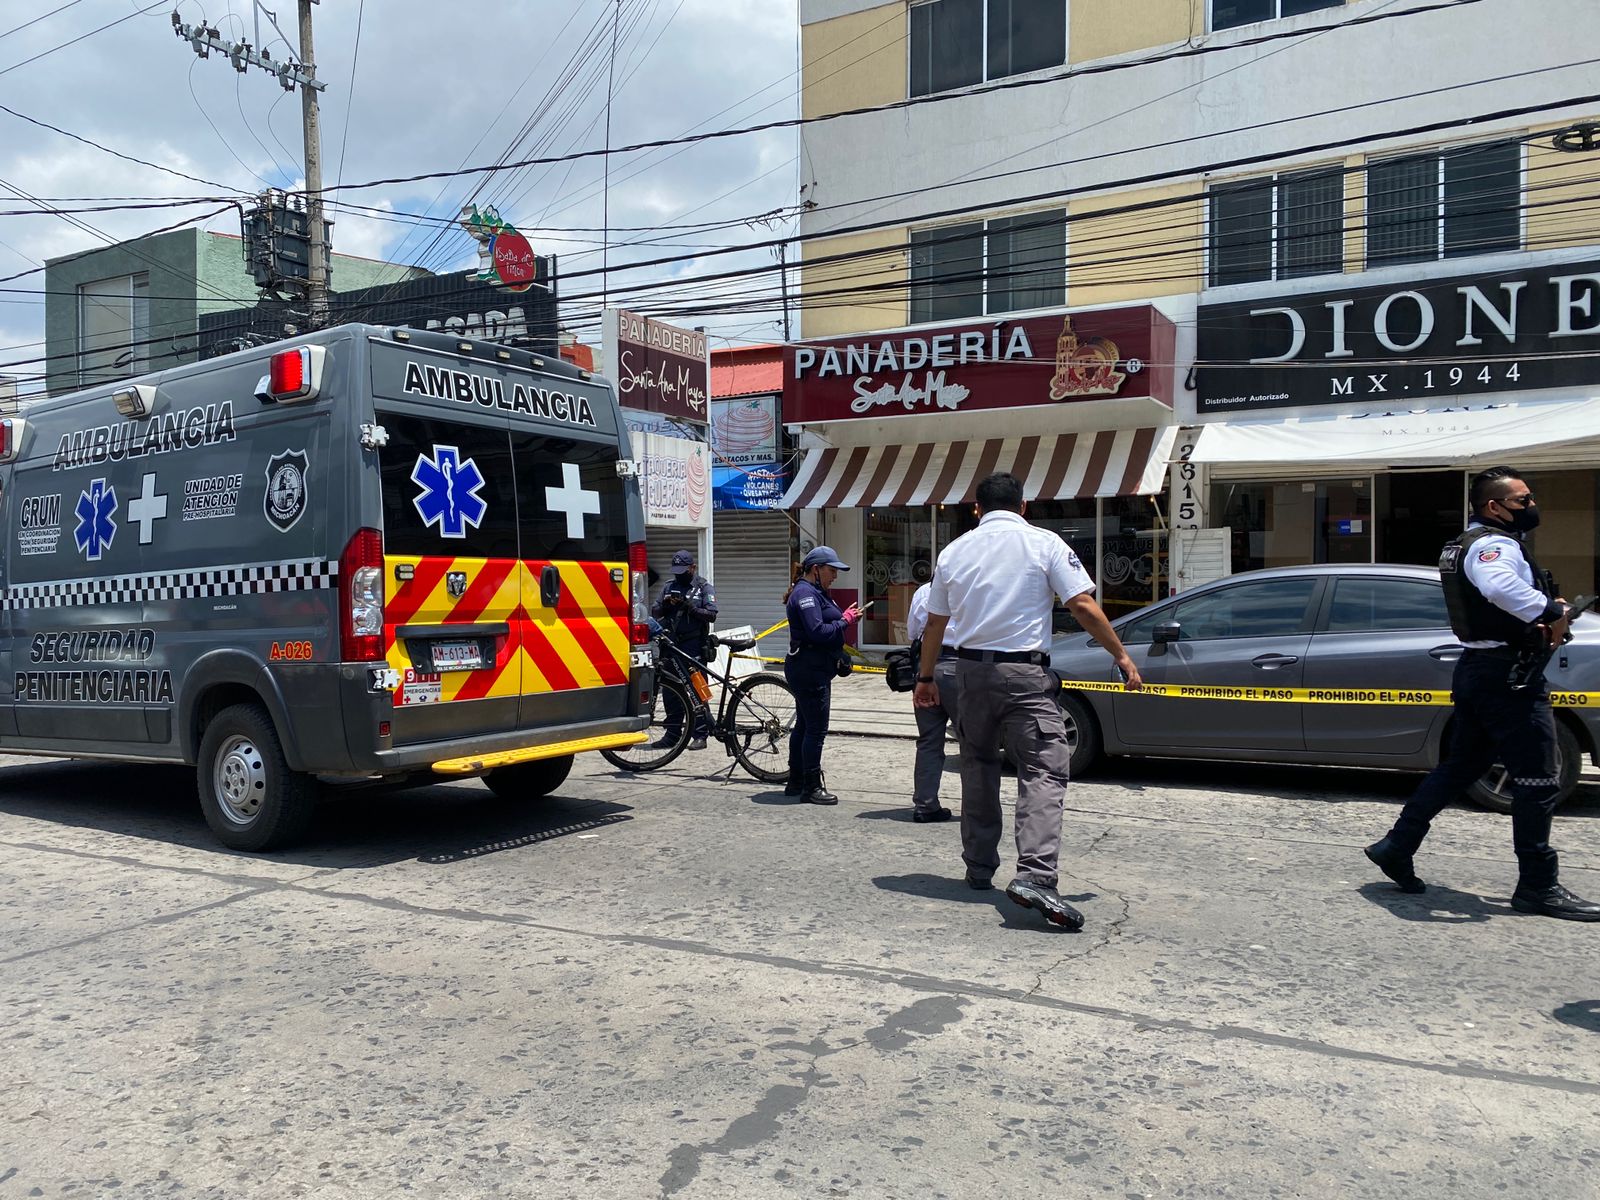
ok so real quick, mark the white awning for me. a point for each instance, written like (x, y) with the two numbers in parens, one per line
(1459, 437)
(1110, 462)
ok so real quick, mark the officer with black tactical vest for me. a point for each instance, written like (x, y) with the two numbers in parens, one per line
(1500, 605)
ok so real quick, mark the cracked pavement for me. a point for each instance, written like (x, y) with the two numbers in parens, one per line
(677, 986)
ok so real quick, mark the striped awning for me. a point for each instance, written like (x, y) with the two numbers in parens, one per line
(1110, 462)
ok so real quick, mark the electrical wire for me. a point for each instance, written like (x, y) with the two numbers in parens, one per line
(943, 97)
(36, 20)
(350, 103)
(83, 36)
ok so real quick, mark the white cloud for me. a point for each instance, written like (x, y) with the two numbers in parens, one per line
(429, 89)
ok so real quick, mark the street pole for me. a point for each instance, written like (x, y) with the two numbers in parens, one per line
(317, 265)
(783, 285)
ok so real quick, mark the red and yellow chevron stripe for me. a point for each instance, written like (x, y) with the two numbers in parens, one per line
(580, 643)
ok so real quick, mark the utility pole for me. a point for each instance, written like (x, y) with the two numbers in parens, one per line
(314, 284)
(605, 191)
(783, 286)
(317, 291)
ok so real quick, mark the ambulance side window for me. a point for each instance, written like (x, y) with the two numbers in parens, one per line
(447, 489)
(571, 499)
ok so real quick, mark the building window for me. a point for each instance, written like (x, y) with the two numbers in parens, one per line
(1284, 227)
(1005, 265)
(1225, 14)
(113, 328)
(955, 43)
(1447, 204)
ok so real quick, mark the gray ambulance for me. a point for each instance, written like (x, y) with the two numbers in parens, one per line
(365, 552)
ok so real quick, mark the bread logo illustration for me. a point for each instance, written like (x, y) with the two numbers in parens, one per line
(1085, 367)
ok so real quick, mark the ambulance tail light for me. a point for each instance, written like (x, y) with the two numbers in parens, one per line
(293, 376)
(639, 621)
(361, 598)
(11, 438)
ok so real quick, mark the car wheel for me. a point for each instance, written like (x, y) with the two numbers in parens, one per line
(1083, 733)
(250, 797)
(1493, 791)
(529, 780)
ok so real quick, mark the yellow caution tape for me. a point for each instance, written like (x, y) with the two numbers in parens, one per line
(1280, 695)
(1425, 698)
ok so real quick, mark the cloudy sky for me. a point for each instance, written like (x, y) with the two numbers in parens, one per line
(430, 87)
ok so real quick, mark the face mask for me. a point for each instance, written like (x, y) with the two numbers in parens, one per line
(1525, 520)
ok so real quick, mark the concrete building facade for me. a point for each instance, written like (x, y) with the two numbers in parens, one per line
(1227, 163)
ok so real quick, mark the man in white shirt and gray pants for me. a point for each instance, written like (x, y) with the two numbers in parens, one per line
(992, 598)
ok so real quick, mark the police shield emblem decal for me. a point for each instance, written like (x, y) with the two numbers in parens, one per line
(455, 582)
(285, 498)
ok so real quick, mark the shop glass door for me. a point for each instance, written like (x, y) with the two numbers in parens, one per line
(898, 558)
(1293, 523)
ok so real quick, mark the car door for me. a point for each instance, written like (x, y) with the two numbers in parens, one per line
(1379, 632)
(1250, 633)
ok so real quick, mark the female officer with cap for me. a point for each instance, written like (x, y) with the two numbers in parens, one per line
(816, 641)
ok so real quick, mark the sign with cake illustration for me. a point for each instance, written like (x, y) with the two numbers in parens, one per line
(744, 431)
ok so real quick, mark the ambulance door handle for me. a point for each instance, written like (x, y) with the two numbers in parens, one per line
(550, 587)
(1446, 653)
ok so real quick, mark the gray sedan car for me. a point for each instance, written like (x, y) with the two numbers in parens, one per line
(1328, 626)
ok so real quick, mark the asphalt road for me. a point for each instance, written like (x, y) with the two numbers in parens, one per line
(675, 986)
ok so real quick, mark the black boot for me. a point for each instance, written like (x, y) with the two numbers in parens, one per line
(1396, 864)
(795, 785)
(1554, 901)
(816, 791)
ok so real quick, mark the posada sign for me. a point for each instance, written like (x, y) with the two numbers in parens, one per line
(998, 363)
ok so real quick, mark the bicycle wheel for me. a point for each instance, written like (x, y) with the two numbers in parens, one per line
(657, 750)
(760, 719)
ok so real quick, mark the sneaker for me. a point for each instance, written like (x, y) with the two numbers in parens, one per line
(1554, 901)
(698, 744)
(1396, 864)
(1043, 897)
(925, 816)
(666, 741)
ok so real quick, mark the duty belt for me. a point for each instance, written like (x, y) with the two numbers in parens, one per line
(1037, 657)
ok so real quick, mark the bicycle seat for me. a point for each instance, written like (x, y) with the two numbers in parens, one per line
(735, 645)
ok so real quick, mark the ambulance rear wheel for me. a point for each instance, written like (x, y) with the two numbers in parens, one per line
(1493, 791)
(250, 797)
(530, 780)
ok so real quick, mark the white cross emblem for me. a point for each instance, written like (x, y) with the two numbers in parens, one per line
(571, 498)
(145, 509)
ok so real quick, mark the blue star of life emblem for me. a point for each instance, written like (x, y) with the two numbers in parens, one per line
(96, 530)
(449, 496)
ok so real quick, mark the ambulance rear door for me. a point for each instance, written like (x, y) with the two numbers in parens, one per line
(452, 577)
(574, 537)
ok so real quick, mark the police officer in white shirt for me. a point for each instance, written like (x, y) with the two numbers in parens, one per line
(1500, 603)
(931, 722)
(992, 597)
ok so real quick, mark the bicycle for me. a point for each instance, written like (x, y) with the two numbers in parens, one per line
(753, 720)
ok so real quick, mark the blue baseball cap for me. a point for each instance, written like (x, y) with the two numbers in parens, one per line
(683, 558)
(822, 556)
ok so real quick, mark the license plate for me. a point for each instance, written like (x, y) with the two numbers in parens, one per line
(457, 656)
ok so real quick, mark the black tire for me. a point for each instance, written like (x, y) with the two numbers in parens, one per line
(761, 717)
(529, 780)
(1083, 732)
(250, 797)
(648, 755)
(1491, 791)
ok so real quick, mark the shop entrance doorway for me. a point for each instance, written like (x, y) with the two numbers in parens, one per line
(1418, 512)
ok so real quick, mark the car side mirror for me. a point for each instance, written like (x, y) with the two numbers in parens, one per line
(1166, 633)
